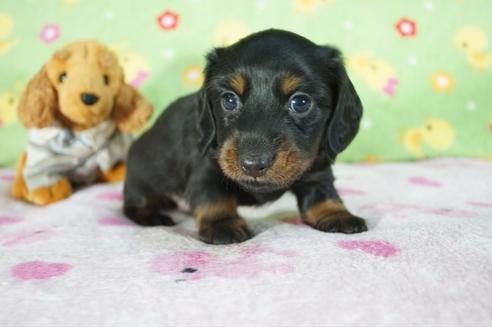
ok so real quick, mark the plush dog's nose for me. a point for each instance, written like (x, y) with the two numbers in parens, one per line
(256, 166)
(89, 98)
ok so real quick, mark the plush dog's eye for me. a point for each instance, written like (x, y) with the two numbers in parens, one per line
(230, 101)
(106, 79)
(300, 103)
(62, 77)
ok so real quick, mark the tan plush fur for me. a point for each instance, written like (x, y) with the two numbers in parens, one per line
(53, 96)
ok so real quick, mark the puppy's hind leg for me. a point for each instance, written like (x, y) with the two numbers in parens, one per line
(144, 208)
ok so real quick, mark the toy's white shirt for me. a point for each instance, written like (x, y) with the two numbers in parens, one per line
(56, 152)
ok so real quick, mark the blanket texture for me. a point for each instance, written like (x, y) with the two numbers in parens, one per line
(426, 259)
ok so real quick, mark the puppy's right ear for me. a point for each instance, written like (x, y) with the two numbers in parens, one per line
(206, 123)
(38, 103)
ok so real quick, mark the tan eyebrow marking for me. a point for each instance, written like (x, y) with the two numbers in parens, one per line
(289, 84)
(238, 83)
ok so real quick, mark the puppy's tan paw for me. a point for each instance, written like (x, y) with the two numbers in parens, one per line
(224, 231)
(332, 216)
(352, 224)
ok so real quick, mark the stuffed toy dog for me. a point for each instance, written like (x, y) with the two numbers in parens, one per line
(77, 110)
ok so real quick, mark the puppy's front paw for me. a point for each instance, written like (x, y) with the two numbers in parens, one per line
(155, 220)
(341, 223)
(147, 217)
(224, 231)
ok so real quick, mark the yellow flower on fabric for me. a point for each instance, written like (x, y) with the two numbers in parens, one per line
(372, 159)
(442, 81)
(6, 28)
(229, 32)
(309, 6)
(193, 75)
(69, 2)
(435, 133)
(8, 107)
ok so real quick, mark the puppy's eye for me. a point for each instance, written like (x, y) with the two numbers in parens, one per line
(230, 101)
(106, 79)
(300, 103)
(62, 77)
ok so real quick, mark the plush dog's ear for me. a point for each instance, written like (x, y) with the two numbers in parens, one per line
(344, 122)
(131, 111)
(206, 123)
(38, 103)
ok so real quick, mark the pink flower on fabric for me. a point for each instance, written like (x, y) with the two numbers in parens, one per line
(26, 237)
(373, 247)
(114, 221)
(406, 27)
(247, 262)
(39, 270)
(423, 181)
(49, 33)
(7, 177)
(168, 20)
(110, 195)
(9, 220)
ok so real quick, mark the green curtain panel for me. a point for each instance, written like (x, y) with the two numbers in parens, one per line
(422, 68)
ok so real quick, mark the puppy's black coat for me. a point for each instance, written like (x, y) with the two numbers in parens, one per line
(274, 111)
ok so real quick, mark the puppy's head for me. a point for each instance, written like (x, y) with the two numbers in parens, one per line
(272, 104)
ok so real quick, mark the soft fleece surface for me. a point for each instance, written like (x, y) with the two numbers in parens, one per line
(427, 258)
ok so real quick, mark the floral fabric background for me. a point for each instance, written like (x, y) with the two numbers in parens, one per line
(422, 68)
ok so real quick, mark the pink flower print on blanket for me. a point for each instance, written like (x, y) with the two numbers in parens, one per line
(373, 247)
(39, 270)
(247, 262)
(26, 237)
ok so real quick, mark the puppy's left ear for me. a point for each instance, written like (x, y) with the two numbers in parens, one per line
(344, 122)
(131, 111)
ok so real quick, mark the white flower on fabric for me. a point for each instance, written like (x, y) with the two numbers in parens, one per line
(412, 60)
(108, 15)
(366, 124)
(262, 4)
(429, 6)
(471, 106)
(167, 53)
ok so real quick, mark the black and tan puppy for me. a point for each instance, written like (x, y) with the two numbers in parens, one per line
(272, 115)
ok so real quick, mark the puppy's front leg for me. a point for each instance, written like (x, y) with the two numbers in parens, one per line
(322, 208)
(219, 223)
(215, 208)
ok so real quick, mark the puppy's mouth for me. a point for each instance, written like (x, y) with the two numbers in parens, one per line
(285, 170)
(260, 186)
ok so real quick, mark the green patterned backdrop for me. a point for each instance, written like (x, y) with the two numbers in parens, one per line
(421, 67)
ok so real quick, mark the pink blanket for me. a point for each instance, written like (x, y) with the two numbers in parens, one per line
(426, 259)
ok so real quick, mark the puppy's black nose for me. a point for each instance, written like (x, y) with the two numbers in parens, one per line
(89, 98)
(256, 166)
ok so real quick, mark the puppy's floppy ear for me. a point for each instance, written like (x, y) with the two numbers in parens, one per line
(206, 123)
(344, 122)
(39, 102)
(131, 111)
